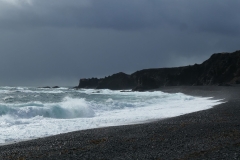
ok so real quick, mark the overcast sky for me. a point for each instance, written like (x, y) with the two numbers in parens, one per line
(57, 42)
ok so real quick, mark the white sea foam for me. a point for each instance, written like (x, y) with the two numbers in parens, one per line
(41, 91)
(7, 98)
(85, 109)
(69, 108)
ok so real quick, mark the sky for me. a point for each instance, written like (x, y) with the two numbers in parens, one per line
(57, 42)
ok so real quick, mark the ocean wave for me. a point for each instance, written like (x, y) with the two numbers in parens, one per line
(67, 109)
(45, 113)
(40, 91)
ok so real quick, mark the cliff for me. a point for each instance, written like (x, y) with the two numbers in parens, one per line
(219, 69)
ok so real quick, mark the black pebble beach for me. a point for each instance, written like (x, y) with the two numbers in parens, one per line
(208, 134)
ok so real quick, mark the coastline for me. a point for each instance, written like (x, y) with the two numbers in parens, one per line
(212, 133)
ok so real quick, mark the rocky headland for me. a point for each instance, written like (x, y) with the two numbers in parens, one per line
(219, 69)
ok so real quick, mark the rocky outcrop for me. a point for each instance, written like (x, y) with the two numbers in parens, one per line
(145, 82)
(219, 69)
(116, 82)
(88, 83)
(47, 87)
(56, 87)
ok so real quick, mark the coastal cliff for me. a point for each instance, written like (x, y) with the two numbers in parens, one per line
(219, 69)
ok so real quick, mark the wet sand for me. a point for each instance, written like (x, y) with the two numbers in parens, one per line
(208, 134)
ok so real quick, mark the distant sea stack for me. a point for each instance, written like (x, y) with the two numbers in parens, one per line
(219, 69)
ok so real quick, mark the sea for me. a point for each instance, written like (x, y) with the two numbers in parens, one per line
(30, 112)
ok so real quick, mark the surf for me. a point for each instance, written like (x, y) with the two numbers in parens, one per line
(27, 113)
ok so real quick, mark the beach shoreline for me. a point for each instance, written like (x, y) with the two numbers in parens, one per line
(212, 133)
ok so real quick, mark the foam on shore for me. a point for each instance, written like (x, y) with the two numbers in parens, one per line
(27, 113)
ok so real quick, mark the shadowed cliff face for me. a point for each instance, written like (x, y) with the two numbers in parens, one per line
(219, 69)
(116, 82)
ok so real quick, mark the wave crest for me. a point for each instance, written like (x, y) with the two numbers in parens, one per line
(67, 109)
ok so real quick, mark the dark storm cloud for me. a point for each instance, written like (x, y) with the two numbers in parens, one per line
(96, 14)
(214, 16)
(59, 41)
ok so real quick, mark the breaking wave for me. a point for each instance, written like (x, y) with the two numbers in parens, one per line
(69, 108)
(27, 113)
